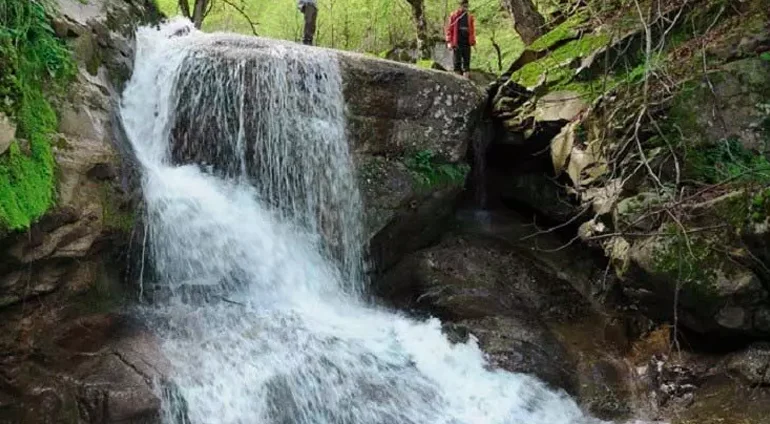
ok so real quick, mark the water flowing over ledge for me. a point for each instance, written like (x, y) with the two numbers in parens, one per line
(274, 227)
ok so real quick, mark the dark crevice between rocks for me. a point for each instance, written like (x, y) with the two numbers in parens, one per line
(508, 170)
(693, 341)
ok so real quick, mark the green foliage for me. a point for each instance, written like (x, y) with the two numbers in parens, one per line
(765, 56)
(726, 160)
(428, 171)
(759, 208)
(425, 64)
(33, 63)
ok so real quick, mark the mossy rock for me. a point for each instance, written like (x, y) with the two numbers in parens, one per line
(558, 68)
(732, 103)
(569, 29)
(715, 293)
(34, 66)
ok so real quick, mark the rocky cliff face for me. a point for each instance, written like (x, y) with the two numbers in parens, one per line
(661, 153)
(641, 132)
(69, 356)
(410, 130)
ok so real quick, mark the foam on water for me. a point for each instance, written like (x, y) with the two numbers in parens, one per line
(286, 338)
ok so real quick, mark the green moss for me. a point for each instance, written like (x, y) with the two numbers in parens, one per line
(733, 208)
(556, 66)
(759, 206)
(113, 216)
(425, 64)
(564, 31)
(428, 171)
(33, 64)
(692, 262)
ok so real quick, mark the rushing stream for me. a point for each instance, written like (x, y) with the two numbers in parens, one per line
(268, 236)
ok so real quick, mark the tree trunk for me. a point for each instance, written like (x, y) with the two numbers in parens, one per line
(201, 7)
(184, 7)
(527, 21)
(418, 17)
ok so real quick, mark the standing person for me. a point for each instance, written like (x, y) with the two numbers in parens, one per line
(310, 10)
(460, 37)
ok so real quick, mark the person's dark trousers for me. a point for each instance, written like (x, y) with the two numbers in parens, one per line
(311, 13)
(462, 58)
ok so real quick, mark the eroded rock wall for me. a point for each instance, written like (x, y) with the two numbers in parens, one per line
(69, 354)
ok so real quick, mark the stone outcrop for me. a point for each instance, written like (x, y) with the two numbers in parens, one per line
(665, 177)
(396, 112)
(524, 307)
(68, 357)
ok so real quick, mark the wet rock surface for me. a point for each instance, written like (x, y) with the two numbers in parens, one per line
(67, 356)
(408, 128)
(479, 288)
(98, 368)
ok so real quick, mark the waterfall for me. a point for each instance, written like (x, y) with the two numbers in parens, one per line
(269, 228)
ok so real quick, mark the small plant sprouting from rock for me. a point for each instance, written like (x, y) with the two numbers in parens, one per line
(428, 171)
(760, 206)
(727, 160)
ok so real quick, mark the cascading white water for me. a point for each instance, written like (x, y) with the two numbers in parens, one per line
(287, 338)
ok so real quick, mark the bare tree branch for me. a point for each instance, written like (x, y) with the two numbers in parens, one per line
(242, 11)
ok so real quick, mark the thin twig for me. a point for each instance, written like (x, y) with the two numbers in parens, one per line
(552, 229)
(242, 11)
(641, 149)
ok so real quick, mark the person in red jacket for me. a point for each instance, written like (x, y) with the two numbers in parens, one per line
(460, 37)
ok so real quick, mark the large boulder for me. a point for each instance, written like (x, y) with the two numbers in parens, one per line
(408, 128)
(481, 288)
(396, 112)
(100, 368)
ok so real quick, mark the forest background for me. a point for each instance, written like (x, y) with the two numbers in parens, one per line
(374, 27)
